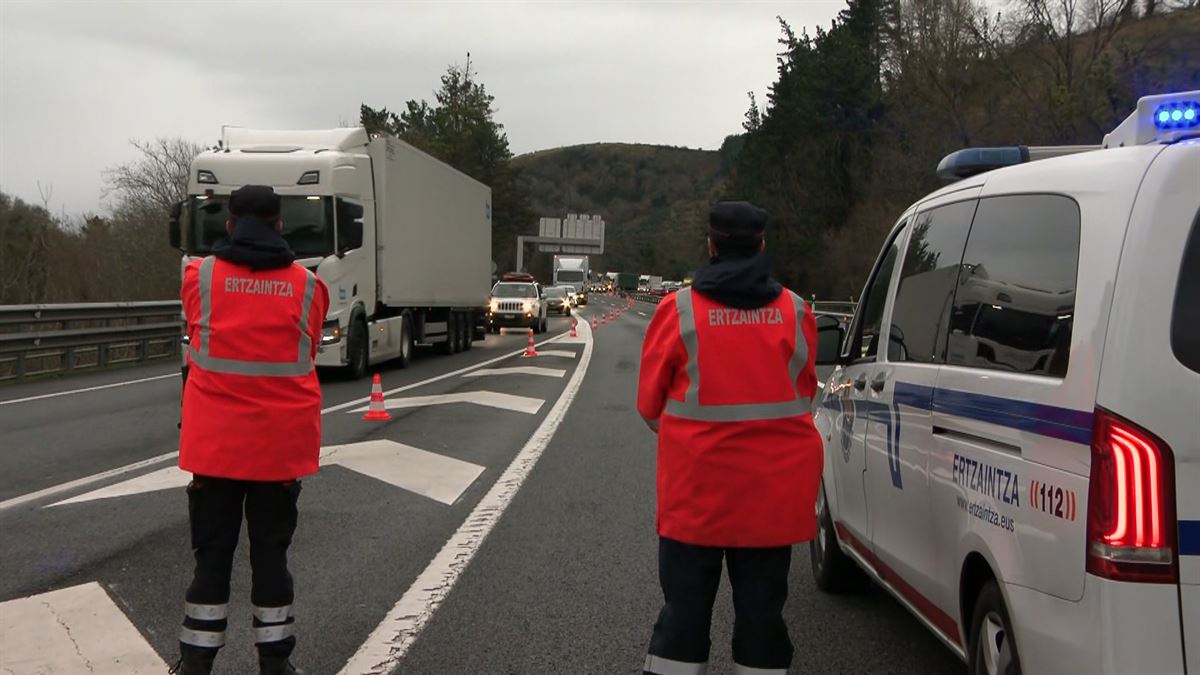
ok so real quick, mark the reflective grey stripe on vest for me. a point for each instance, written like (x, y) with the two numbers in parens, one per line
(691, 408)
(661, 666)
(272, 614)
(303, 363)
(273, 633)
(206, 612)
(201, 638)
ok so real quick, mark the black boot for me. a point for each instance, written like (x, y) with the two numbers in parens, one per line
(194, 661)
(274, 657)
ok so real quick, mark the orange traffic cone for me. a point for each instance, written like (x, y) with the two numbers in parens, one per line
(530, 350)
(603, 319)
(378, 411)
(595, 322)
(611, 316)
(573, 333)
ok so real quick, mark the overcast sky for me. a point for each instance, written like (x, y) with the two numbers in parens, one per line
(79, 79)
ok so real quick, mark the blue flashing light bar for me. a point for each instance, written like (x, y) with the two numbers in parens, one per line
(1184, 114)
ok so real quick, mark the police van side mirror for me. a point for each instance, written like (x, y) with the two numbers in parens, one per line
(830, 334)
(174, 231)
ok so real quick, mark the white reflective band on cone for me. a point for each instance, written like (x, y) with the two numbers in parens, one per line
(739, 669)
(206, 612)
(273, 633)
(201, 638)
(661, 666)
(691, 408)
(272, 614)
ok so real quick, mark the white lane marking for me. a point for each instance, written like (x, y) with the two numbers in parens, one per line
(559, 353)
(425, 473)
(70, 631)
(141, 464)
(394, 636)
(87, 480)
(453, 373)
(493, 399)
(518, 370)
(163, 479)
(401, 465)
(87, 389)
(641, 314)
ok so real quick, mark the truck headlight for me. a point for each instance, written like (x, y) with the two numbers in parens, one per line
(331, 333)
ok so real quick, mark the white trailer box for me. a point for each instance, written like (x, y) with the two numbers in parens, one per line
(435, 230)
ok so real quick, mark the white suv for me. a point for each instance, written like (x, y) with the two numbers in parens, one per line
(1012, 424)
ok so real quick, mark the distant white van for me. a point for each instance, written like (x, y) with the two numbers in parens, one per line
(1012, 424)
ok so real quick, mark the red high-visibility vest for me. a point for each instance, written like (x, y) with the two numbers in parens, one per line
(739, 460)
(252, 402)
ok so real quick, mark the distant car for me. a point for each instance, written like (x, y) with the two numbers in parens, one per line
(672, 286)
(558, 300)
(517, 304)
(572, 294)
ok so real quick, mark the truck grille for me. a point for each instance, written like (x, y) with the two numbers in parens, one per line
(511, 306)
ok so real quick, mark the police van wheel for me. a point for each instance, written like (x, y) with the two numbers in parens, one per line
(468, 331)
(357, 355)
(406, 342)
(833, 571)
(993, 651)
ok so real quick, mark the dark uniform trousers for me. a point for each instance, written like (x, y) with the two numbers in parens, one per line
(215, 507)
(690, 576)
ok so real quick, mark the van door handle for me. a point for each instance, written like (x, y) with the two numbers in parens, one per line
(878, 382)
(861, 383)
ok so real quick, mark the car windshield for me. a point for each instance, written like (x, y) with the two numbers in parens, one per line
(514, 291)
(307, 224)
(570, 275)
(555, 293)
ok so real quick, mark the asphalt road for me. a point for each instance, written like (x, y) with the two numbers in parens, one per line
(566, 581)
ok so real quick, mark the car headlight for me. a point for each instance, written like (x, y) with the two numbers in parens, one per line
(528, 305)
(331, 333)
(494, 306)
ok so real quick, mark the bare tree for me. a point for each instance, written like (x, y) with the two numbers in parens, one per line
(158, 178)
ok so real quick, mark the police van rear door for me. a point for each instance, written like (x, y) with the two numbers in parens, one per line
(1150, 379)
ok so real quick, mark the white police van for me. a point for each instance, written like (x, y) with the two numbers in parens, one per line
(1012, 425)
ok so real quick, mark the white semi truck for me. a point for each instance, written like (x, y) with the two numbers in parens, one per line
(571, 270)
(402, 240)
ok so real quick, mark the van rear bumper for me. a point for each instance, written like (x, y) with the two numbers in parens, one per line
(1115, 628)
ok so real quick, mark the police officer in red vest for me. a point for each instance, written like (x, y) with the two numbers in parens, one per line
(251, 424)
(727, 380)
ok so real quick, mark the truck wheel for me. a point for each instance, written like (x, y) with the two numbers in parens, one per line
(358, 351)
(450, 346)
(993, 650)
(406, 342)
(469, 333)
(832, 570)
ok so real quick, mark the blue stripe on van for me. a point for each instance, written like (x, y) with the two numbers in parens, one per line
(1044, 420)
(1189, 537)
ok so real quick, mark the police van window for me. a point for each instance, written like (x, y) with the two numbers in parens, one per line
(866, 342)
(1185, 316)
(1015, 302)
(921, 312)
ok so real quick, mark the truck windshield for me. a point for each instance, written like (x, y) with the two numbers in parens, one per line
(569, 276)
(307, 224)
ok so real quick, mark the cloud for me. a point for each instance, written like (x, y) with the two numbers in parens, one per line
(78, 80)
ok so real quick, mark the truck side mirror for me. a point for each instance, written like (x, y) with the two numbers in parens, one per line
(830, 335)
(174, 231)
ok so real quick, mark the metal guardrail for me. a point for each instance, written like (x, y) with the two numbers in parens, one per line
(42, 339)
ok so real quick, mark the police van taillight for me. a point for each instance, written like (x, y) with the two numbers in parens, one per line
(1131, 528)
